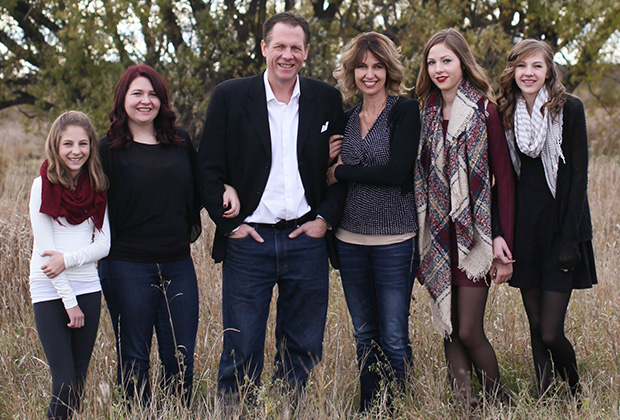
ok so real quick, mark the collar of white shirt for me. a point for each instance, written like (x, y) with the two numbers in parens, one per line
(269, 91)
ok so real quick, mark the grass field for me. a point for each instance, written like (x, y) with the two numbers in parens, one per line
(593, 325)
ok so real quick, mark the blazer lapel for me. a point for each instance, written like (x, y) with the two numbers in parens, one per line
(257, 110)
(307, 110)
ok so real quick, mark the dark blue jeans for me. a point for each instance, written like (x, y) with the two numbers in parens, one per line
(299, 268)
(143, 296)
(377, 283)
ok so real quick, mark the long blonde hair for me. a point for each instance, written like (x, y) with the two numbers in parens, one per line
(57, 171)
(472, 71)
(509, 91)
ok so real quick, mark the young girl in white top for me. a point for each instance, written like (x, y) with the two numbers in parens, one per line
(71, 232)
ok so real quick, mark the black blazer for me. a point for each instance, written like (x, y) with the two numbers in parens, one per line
(572, 211)
(236, 149)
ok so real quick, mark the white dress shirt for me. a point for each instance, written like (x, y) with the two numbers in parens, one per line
(81, 245)
(284, 196)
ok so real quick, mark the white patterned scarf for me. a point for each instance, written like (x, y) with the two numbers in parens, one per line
(537, 135)
(452, 185)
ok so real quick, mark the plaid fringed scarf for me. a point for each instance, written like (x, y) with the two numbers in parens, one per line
(452, 184)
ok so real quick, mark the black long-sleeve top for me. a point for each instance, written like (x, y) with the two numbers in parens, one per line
(573, 220)
(404, 121)
(151, 200)
(380, 177)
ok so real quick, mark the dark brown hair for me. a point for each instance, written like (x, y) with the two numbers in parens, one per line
(472, 71)
(290, 18)
(165, 122)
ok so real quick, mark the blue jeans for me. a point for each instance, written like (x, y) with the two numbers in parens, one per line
(377, 283)
(250, 271)
(143, 296)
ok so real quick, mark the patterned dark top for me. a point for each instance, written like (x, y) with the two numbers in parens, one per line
(375, 209)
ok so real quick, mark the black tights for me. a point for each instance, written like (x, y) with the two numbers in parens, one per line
(67, 350)
(546, 312)
(468, 345)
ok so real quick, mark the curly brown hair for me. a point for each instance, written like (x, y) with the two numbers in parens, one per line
(509, 91)
(384, 50)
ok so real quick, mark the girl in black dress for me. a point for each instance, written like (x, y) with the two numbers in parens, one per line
(546, 133)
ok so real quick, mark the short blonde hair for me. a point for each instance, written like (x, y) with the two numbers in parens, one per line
(57, 171)
(384, 50)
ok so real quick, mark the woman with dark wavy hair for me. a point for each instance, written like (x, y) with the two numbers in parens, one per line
(546, 133)
(148, 278)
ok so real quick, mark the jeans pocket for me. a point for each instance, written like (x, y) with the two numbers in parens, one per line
(314, 237)
(242, 238)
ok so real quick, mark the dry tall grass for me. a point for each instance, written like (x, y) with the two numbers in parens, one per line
(593, 324)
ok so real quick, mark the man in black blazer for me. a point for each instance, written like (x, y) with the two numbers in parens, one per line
(268, 137)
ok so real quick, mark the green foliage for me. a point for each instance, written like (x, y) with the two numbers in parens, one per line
(62, 55)
(82, 79)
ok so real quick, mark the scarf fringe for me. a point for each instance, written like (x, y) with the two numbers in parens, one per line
(476, 262)
(462, 194)
(440, 315)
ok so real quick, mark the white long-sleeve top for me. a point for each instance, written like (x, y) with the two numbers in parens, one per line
(81, 245)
